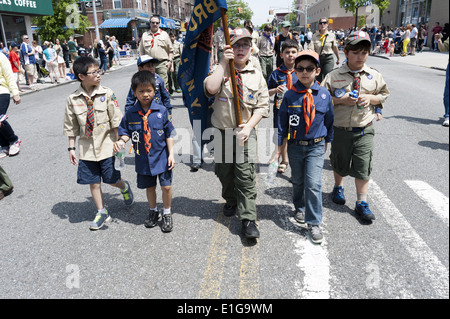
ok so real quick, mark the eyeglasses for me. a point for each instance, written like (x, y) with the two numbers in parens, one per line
(323, 22)
(244, 46)
(309, 69)
(98, 72)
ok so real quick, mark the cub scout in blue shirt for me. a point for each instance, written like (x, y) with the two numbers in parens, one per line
(148, 126)
(281, 79)
(305, 120)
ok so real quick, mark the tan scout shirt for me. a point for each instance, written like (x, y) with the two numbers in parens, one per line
(264, 46)
(219, 40)
(162, 46)
(256, 99)
(177, 49)
(330, 42)
(107, 117)
(340, 81)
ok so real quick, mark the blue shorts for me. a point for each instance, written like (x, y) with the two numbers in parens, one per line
(147, 181)
(92, 172)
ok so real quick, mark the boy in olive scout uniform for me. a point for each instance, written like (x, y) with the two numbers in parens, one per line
(93, 114)
(236, 172)
(352, 146)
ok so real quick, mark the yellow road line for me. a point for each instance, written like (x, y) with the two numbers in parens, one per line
(212, 278)
(249, 273)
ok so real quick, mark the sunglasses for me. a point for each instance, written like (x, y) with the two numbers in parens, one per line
(154, 22)
(323, 22)
(309, 69)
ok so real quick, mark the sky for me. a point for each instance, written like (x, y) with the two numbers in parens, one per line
(261, 8)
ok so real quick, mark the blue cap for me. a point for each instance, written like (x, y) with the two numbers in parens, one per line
(145, 59)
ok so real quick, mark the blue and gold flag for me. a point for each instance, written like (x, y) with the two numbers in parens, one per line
(196, 57)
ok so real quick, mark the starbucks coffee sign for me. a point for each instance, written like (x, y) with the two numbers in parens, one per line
(32, 7)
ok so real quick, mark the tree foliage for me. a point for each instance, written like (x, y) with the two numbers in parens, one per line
(63, 23)
(235, 18)
(354, 5)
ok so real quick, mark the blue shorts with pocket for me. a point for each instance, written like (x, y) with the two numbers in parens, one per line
(147, 181)
(92, 172)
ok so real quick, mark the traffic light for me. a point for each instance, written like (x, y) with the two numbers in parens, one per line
(239, 10)
(271, 12)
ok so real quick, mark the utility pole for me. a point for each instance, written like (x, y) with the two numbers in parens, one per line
(97, 33)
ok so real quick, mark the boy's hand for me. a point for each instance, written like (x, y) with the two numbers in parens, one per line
(171, 162)
(281, 88)
(16, 99)
(364, 100)
(73, 158)
(379, 116)
(228, 54)
(243, 134)
(118, 146)
(348, 100)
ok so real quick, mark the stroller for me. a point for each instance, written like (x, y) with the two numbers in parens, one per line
(398, 47)
(43, 72)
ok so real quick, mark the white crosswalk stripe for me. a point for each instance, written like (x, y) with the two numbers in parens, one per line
(437, 201)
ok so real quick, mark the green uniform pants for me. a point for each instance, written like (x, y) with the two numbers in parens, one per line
(266, 66)
(326, 65)
(5, 182)
(161, 70)
(172, 77)
(235, 168)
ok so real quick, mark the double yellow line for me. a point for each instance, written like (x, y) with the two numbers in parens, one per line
(249, 272)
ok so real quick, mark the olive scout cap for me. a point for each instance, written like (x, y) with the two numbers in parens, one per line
(309, 53)
(356, 37)
(285, 24)
(238, 34)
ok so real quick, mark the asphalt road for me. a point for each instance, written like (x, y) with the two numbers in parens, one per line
(47, 250)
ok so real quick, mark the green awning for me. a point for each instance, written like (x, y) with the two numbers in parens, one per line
(31, 7)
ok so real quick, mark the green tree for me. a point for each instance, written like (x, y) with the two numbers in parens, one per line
(238, 12)
(354, 5)
(64, 22)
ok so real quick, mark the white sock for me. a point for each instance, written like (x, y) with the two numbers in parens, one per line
(154, 209)
(103, 211)
(166, 211)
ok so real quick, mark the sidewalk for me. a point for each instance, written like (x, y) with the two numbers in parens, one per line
(43, 86)
(426, 58)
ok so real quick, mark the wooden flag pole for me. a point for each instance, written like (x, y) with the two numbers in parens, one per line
(237, 108)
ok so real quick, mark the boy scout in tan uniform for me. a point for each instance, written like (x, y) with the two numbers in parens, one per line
(157, 44)
(266, 45)
(236, 171)
(92, 113)
(352, 146)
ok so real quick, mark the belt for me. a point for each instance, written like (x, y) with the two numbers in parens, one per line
(354, 129)
(306, 143)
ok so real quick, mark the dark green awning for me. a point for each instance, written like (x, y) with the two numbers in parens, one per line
(31, 7)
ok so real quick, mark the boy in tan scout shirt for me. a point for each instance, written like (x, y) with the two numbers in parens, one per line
(352, 146)
(236, 172)
(93, 114)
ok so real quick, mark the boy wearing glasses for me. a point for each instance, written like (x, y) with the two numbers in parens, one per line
(352, 147)
(236, 156)
(305, 122)
(93, 113)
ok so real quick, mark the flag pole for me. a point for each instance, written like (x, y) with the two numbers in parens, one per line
(237, 108)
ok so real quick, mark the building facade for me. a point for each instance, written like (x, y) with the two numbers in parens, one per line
(15, 18)
(127, 19)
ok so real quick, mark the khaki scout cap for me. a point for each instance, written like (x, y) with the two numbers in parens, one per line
(238, 34)
(356, 37)
(285, 24)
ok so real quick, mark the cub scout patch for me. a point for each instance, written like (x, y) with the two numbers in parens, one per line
(323, 96)
(339, 93)
(160, 132)
(370, 76)
(294, 120)
(159, 116)
(102, 99)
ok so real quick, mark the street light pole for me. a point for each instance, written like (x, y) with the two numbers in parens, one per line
(97, 33)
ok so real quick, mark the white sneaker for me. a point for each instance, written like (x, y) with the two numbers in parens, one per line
(446, 122)
(4, 153)
(14, 149)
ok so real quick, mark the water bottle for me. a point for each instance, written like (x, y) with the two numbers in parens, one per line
(119, 162)
(272, 173)
(280, 96)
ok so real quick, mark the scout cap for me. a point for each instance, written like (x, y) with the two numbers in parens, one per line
(285, 24)
(309, 53)
(145, 59)
(356, 37)
(14, 45)
(238, 34)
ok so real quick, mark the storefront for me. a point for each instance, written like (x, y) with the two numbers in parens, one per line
(15, 17)
(414, 11)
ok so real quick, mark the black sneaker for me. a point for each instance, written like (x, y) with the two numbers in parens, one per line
(229, 210)
(152, 220)
(167, 223)
(249, 229)
(299, 216)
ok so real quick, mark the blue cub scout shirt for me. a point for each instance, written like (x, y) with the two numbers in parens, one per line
(278, 78)
(156, 162)
(291, 120)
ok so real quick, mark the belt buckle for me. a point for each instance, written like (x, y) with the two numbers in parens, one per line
(303, 143)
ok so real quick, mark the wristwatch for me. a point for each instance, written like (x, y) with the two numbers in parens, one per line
(71, 149)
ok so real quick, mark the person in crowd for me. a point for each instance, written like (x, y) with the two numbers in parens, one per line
(280, 38)
(29, 60)
(444, 47)
(51, 59)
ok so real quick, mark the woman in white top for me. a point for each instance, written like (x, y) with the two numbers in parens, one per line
(60, 59)
(51, 58)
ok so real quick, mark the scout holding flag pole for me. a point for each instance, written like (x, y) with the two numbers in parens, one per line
(237, 86)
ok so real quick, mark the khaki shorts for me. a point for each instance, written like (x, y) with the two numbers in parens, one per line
(31, 70)
(352, 152)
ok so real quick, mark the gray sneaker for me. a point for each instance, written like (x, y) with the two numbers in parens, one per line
(128, 196)
(315, 233)
(299, 216)
(99, 221)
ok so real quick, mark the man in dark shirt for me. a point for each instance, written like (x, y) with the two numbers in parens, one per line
(285, 26)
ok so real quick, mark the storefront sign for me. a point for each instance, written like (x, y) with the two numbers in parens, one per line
(32, 7)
